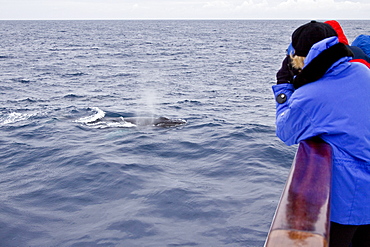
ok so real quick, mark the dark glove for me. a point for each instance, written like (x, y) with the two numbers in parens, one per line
(286, 72)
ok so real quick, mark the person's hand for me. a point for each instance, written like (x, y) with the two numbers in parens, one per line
(286, 72)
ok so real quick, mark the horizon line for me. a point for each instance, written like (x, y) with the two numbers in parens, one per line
(180, 19)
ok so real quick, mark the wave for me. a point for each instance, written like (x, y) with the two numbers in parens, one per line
(98, 115)
(14, 117)
(93, 121)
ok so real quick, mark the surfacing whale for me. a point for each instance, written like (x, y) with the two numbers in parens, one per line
(100, 120)
(139, 121)
(159, 122)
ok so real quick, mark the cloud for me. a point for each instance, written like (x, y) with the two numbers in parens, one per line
(324, 9)
(292, 9)
(184, 9)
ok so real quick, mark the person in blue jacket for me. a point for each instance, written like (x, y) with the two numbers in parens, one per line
(329, 97)
(363, 42)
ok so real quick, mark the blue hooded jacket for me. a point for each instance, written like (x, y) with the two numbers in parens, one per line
(363, 42)
(335, 107)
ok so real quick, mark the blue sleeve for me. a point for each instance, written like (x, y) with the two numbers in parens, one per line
(293, 123)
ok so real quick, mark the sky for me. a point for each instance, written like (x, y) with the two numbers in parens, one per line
(183, 9)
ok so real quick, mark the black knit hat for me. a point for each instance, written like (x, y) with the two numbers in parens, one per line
(307, 35)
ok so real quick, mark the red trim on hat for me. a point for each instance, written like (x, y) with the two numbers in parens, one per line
(361, 61)
(338, 29)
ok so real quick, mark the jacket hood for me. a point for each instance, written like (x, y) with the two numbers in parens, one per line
(323, 56)
(338, 29)
(363, 42)
(319, 47)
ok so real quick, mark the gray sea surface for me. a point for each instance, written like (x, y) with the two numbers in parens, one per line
(71, 177)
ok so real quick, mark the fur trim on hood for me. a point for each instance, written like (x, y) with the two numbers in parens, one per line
(321, 63)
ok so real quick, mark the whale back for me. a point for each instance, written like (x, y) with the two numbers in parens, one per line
(160, 122)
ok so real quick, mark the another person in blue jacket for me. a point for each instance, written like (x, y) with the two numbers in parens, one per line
(359, 47)
(363, 42)
(330, 97)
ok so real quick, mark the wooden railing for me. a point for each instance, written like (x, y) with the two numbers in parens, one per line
(302, 216)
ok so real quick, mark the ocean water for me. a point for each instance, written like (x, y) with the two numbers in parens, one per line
(72, 176)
